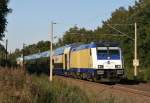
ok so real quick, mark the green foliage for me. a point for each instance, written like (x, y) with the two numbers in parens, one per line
(29, 49)
(4, 10)
(2, 55)
(2, 51)
(146, 75)
(76, 35)
(35, 48)
(38, 66)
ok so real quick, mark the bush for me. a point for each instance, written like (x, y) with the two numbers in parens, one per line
(147, 74)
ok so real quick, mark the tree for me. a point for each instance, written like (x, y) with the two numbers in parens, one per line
(4, 10)
(76, 35)
(2, 51)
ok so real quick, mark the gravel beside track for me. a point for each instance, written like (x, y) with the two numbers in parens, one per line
(123, 93)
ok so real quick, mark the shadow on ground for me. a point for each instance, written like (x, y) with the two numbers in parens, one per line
(131, 82)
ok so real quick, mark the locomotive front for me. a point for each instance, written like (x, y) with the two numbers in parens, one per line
(108, 61)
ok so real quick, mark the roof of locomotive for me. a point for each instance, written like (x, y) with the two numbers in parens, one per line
(60, 50)
(95, 44)
(79, 46)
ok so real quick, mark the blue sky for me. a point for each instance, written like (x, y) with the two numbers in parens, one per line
(30, 20)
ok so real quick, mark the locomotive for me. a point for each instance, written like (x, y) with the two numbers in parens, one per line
(95, 61)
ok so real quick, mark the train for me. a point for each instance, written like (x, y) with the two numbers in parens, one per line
(96, 61)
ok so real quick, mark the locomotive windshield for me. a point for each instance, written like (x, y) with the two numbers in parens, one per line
(108, 54)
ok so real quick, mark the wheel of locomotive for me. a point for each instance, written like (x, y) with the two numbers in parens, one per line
(89, 77)
(66, 74)
(81, 76)
(70, 74)
(78, 75)
(74, 75)
(84, 76)
(94, 79)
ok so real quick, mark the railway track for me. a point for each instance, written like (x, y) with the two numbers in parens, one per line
(116, 87)
(131, 90)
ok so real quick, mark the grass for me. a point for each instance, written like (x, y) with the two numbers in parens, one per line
(57, 91)
(143, 74)
(18, 87)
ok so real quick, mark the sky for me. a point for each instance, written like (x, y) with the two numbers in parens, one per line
(30, 20)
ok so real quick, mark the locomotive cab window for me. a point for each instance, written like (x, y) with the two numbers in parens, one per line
(114, 54)
(102, 54)
(105, 54)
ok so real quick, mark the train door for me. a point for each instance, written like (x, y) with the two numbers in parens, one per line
(65, 62)
(66, 58)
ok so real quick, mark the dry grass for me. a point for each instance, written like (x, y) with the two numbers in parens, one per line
(18, 87)
(12, 84)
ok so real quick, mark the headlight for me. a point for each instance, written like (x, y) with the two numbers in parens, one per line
(119, 71)
(117, 66)
(100, 66)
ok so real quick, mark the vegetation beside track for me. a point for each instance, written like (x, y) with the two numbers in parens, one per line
(18, 87)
